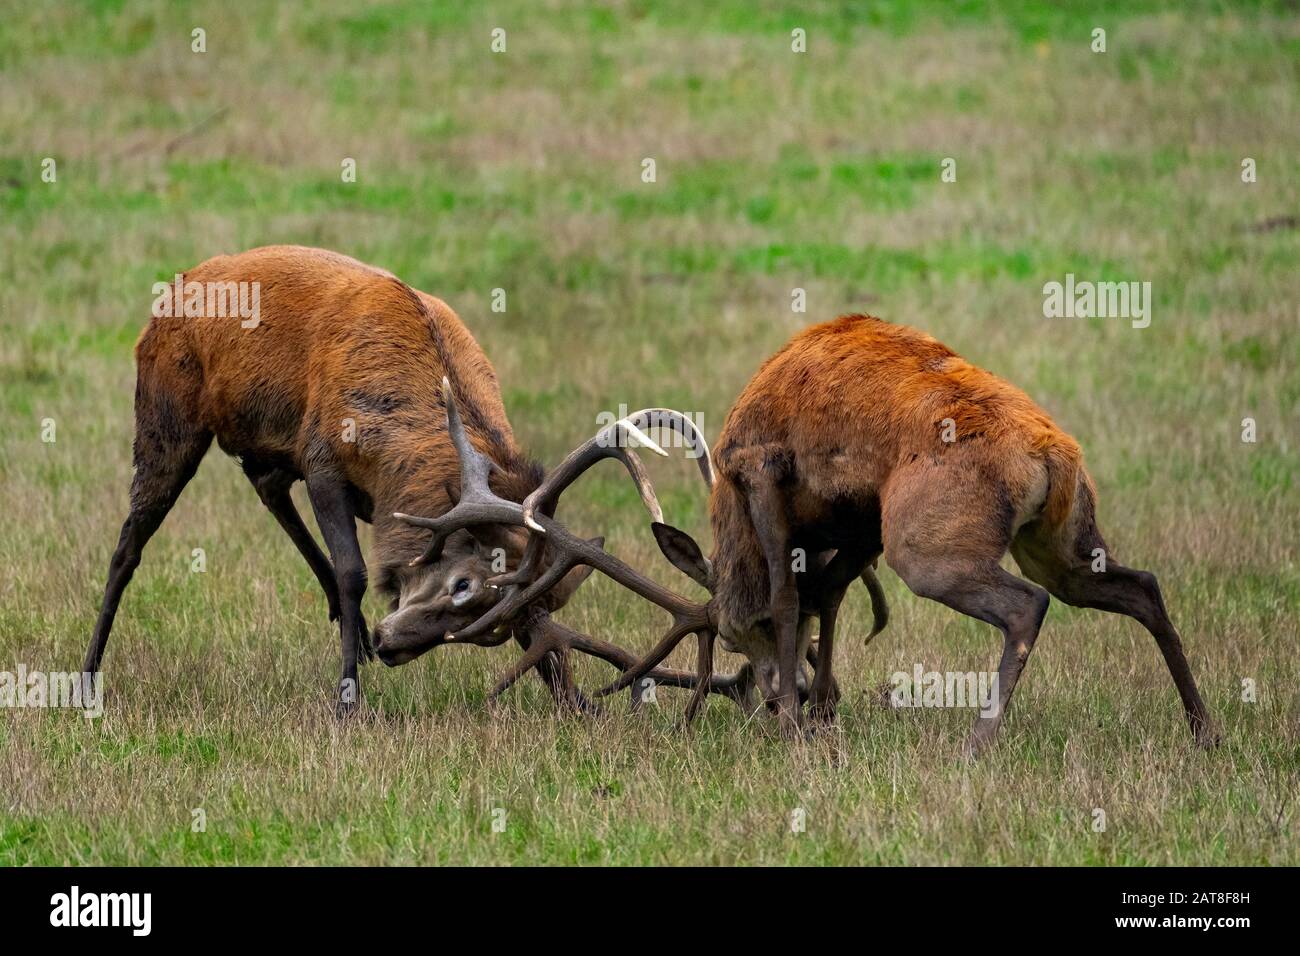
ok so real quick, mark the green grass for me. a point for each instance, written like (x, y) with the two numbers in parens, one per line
(775, 171)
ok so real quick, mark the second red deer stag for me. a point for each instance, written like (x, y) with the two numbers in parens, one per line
(870, 438)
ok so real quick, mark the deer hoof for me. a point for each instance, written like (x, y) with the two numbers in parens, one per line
(976, 746)
(822, 713)
(582, 707)
(792, 728)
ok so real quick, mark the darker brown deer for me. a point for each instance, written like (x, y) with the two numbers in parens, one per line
(338, 383)
(866, 438)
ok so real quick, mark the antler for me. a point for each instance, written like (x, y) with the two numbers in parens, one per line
(569, 551)
(479, 505)
(547, 635)
(687, 617)
(605, 444)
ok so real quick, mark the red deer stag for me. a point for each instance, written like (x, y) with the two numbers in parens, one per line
(839, 443)
(339, 384)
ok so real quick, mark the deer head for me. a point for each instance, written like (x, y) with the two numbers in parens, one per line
(553, 553)
(461, 604)
(441, 596)
(753, 636)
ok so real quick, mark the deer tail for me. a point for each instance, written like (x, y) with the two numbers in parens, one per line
(879, 607)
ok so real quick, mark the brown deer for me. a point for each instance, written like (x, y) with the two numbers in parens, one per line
(870, 438)
(338, 383)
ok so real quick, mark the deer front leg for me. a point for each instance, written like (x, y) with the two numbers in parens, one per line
(825, 692)
(334, 515)
(847, 565)
(767, 512)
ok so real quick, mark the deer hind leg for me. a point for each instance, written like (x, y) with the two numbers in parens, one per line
(1017, 609)
(945, 530)
(272, 486)
(984, 591)
(167, 452)
(1066, 571)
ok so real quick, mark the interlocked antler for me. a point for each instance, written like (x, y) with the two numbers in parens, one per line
(479, 505)
(604, 444)
(568, 551)
(546, 636)
(737, 686)
(607, 443)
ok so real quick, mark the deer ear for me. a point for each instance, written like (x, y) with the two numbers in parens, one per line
(560, 594)
(680, 548)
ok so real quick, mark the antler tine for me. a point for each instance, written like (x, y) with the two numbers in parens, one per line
(570, 551)
(466, 514)
(632, 462)
(649, 418)
(477, 505)
(672, 637)
(474, 466)
(547, 635)
(610, 442)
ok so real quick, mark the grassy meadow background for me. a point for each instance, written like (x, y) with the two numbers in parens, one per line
(774, 171)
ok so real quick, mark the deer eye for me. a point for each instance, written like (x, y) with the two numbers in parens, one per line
(461, 586)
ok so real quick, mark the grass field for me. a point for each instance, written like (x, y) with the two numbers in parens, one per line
(774, 171)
